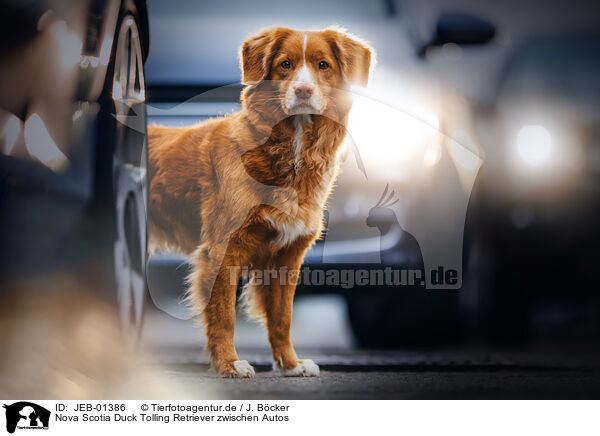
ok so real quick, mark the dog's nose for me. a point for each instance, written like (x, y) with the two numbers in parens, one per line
(303, 91)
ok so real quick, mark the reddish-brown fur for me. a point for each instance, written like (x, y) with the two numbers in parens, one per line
(227, 192)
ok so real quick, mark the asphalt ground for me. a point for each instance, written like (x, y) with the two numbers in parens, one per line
(176, 349)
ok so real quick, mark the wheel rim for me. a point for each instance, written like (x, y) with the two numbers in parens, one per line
(130, 178)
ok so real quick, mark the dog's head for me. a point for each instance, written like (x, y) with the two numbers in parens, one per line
(303, 72)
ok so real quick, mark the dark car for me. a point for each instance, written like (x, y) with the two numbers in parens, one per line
(72, 171)
(535, 207)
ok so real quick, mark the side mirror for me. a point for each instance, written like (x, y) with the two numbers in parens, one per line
(460, 29)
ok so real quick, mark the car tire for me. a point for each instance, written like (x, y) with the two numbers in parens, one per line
(412, 317)
(121, 173)
(495, 302)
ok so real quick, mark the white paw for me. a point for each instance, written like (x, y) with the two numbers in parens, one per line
(306, 368)
(243, 369)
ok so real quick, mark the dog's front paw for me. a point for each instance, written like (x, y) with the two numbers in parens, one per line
(236, 369)
(304, 368)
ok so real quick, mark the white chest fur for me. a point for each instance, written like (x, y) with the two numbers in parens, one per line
(290, 230)
(299, 122)
(308, 221)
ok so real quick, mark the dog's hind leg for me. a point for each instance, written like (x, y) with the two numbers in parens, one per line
(213, 285)
(212, 296)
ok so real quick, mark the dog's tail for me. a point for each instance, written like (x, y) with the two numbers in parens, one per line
(251, 300)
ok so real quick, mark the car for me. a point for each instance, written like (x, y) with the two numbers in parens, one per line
(534, 236)
(72, 173)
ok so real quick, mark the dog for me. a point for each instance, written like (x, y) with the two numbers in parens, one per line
(249, 189)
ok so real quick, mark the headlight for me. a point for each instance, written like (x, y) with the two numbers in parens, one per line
(534, 144)
(392, 142)
(540, 150)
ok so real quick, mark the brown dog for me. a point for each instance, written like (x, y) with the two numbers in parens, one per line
(249, 189)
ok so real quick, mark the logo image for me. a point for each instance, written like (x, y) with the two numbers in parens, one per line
(26, 415)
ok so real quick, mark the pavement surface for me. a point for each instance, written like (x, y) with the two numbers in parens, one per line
(321, 332)
(400, 384)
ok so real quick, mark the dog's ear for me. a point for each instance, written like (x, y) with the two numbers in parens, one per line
(256, 53)
(355, 56)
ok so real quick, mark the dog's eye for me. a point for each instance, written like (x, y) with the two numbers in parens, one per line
(285, 65)
(323, 65)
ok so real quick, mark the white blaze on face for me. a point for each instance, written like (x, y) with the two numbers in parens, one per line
(304, 78)
(304, 45)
